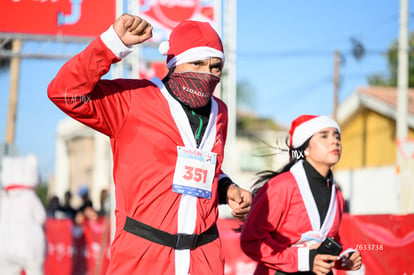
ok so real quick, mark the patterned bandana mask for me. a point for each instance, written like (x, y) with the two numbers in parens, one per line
(193, 89)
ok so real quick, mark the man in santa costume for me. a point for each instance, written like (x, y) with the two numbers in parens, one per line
(167, 139)
(299, 206)
(22, 217)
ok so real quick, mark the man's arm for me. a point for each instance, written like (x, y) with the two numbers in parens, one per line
(78, 89)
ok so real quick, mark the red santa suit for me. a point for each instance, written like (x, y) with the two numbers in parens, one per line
(22, 217)
(145, 125)
(284, 221)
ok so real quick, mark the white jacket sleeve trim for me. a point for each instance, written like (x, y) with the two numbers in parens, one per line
(303, 259)
(114, 43)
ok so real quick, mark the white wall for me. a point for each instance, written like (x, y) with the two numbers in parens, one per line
(370, 190)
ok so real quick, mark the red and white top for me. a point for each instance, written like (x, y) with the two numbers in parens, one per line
(284, 221)
(145, 125)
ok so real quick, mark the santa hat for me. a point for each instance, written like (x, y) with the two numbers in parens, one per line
(191, 41)
(305, 126)
(19, 171)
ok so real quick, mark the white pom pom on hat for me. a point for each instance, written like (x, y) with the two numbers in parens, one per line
(190, 41)
(164, 47)
(305, 126)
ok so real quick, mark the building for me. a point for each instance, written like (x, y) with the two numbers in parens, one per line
(83, 158)
(368, 171)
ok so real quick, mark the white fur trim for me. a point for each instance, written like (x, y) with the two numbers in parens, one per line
(114, 43)
(298, 172)
(330, 215)
(20, 170)
(194, 54)
(303, 259)
(311, 127)
(187, 215)
(187, 210)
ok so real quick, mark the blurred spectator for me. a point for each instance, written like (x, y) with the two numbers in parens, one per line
(105, 203)
(83, 192)
(86, 210)
(67, 209)
(53, 207)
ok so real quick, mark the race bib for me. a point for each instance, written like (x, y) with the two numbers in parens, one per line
(194, 172)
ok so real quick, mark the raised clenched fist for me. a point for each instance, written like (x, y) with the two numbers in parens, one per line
(132, 29)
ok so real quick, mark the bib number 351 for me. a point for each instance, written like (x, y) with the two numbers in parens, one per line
(195, 174)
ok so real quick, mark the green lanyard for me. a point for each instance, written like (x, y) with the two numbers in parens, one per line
(199, 127)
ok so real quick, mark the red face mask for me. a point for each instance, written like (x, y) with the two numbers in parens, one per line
(193, 89)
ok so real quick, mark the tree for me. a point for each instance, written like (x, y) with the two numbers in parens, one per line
(245, 95)
(247, 120)
(391, 79)
(41, 191)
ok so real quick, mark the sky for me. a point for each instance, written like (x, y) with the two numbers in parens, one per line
(284, 53)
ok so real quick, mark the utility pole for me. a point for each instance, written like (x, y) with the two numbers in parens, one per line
(13, 95)
(229, 82)
(402, 107)
(337, 64)
(406, 186)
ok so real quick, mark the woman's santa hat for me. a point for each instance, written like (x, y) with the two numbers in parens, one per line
(305, 126)
(191, 41)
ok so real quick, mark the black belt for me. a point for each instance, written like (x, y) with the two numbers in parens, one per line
(176, 241)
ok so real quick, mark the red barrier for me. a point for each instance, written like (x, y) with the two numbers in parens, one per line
(74, 249)
(236, 262)
(61, 249)
(386, 243)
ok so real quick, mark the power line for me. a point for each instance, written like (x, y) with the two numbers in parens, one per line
(305, 52)
(302, 53)
(304, 89)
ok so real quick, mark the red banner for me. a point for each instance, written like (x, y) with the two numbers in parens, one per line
(164, 15)
(386, 243)
(169, 13)
(87, 18)
(60, 238)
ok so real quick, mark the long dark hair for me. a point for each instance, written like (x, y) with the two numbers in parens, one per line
(264, 176)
